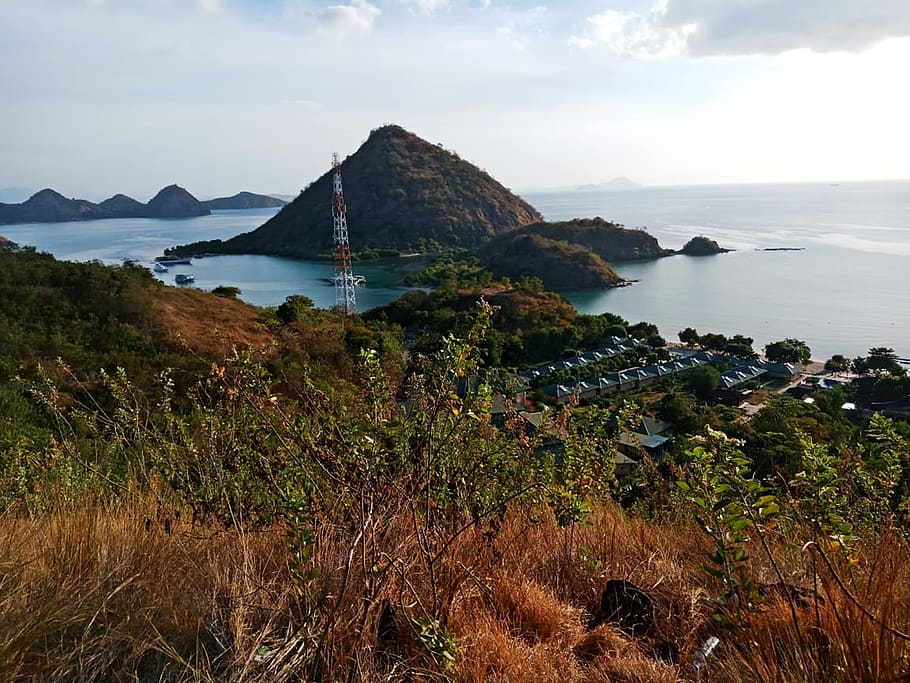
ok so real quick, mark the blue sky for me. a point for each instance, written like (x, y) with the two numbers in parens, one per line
(104, 96)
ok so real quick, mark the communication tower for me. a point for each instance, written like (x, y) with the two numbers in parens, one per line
(345, 300)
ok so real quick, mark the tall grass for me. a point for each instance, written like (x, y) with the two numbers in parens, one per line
(93, 592)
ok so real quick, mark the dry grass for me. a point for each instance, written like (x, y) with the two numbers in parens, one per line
(208, 325)
(92, 593)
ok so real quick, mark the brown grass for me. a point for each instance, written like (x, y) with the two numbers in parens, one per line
(207, 324)
(134, 593)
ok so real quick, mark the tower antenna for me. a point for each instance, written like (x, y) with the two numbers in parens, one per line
(345, 300)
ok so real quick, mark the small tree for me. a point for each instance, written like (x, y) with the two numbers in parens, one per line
(703, 381)
(293, 307)
(226, 292)
(788, 351)
(740, 345)
(837, 363)
(715, 342)
(885, 360)
(688, 336)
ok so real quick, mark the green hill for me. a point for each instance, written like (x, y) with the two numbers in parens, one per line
(560, 265)
(402, 193)
(610, 241)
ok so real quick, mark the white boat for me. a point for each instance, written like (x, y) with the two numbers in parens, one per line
(160, 268)
(359, 280)
(184, 278)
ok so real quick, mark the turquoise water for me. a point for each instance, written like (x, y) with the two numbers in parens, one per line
(263, 280)
(848, 290)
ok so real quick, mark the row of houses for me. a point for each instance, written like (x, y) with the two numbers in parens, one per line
(609, 347)
(743, 371)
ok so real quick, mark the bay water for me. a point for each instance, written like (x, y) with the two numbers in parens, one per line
(846, 289)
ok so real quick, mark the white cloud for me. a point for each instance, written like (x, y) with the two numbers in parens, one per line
(427, 6)
(209, 5)
(711, 27)
(630, 34)
(773, 26)
(357, 17)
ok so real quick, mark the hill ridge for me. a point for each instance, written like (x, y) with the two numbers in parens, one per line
(49, 206)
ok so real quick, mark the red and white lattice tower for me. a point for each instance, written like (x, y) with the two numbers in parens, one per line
(345, 301)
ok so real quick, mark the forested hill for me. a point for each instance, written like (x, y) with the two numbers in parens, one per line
(93, 317)
(560, 265)
(610, 241)
(402, 193)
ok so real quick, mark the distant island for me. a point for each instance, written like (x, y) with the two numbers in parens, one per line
(244, 200)
(405, 195)
(173, 201)
(621, 183)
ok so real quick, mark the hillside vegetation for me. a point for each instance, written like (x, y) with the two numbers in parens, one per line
(313, 504)
(610, 241)
(559, 265)
(402, 194)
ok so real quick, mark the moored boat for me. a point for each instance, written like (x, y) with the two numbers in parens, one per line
(359, 280)
(184, 278)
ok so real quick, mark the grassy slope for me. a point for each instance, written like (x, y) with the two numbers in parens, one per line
(159, 599)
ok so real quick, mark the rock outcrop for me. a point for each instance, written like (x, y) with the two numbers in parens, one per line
(702, 246)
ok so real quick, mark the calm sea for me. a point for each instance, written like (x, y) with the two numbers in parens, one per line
(847, 290)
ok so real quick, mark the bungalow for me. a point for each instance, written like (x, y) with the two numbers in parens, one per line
(649, 434)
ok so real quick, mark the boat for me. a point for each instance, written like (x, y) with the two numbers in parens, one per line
(173, 260)
(160, 268)
(184, 278)
(359, 280)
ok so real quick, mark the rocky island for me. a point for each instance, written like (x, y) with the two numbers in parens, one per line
(244, 200)
(49, 206)
(702, 246)
(173, 201)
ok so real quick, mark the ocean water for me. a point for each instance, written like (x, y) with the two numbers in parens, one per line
(848, 289)
(263, 280)
(845, 292)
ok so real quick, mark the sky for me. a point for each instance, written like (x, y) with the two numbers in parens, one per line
(105, 96)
